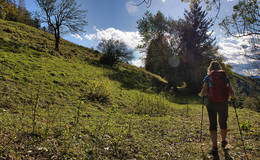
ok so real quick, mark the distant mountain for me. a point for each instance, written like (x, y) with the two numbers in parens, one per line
(254, 77)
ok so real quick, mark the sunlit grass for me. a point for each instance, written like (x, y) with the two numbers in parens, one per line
(69, 106)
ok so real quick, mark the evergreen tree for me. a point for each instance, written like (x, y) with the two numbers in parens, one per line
(197, 45)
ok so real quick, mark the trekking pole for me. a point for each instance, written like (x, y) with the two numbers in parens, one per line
(240, 131)
(201, 118)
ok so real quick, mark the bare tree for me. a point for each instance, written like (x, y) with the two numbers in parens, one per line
(62, 16)
(147, 2)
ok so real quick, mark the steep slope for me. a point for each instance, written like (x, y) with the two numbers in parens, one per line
(67, 106)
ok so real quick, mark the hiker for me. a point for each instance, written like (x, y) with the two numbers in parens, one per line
(218, 89)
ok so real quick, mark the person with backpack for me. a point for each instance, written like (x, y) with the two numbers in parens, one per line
(218, 89)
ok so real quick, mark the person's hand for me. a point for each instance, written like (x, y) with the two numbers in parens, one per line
(202, 95)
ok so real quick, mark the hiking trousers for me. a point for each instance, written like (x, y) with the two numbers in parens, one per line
(219, 109)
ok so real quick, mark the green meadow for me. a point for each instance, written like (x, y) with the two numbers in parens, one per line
(66, 105)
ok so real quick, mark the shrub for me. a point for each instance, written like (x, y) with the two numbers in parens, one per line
(107, 60)
(246, 125)
(252, 103)
(114, 51)
(97, 91)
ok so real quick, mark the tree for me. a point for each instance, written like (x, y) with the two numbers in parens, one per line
(245, 22)
(152, 28)
(62, 16)
(147, 2)
(21, 4)
(197, 45)
(36, 22)
(210, 4)
(245, 19)
(160, 40)
(23, 16)
(3, 6)
(11, 12)
(114, 52)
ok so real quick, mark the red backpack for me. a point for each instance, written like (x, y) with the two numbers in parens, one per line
(218, 91)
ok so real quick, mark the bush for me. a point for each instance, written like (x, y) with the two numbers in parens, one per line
(97, 91)
(107, 60)
(246, 125)
(252, 103)
(114, 51)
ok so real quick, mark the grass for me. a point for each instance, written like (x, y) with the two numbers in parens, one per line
(68, 106)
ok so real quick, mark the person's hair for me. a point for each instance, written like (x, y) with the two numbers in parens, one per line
(214, 66)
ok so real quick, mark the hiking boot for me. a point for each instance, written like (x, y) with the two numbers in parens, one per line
(214, 151)
(224, 144)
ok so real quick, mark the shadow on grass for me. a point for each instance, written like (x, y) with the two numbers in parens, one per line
(227, 155)
(9, 46)
(216, 157)
(181, 99)
(135, 79)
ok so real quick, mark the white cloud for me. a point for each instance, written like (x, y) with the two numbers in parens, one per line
(139, 59)
(77, 36)
(131, 39)
(163, 1)
(131, 7)
(236, 52)
(90, 36)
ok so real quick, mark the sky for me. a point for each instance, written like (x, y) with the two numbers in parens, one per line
(117, 19)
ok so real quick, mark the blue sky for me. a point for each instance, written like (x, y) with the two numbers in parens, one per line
(117, 19)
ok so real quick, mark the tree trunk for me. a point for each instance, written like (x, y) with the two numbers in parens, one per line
(57, 39)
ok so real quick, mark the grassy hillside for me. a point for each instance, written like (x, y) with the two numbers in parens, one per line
(247, 90)
(67, 106)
